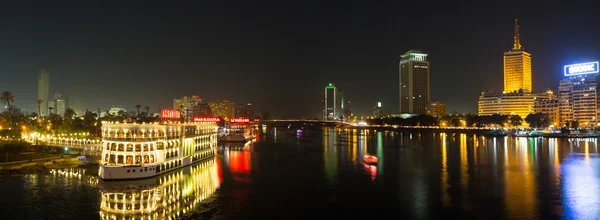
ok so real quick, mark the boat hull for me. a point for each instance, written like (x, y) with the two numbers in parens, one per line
(147, 171)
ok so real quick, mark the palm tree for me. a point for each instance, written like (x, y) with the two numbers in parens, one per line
(137, 108)
(50, 110)
(7, 97)
(39, 102)
(147, 109)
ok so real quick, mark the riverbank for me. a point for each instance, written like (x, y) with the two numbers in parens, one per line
(38, 165)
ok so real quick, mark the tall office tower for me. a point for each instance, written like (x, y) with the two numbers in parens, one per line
(414, 82)
(333, 102)
(517, 66)
(578, 95)
(60, 104)
(43, 90)
(378, 111)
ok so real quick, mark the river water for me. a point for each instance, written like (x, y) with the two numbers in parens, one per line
(320, 174)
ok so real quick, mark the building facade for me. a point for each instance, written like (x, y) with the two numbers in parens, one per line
(186, 105)
(333, 103)
(578, 98)
(244, 111)
(549, 107)
(378, 111)
(514, 103)
(436, 108)
(517, 66)
(222, 108)
(43, 84)
(414, 82)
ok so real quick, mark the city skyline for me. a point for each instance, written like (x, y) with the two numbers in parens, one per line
(100, 64)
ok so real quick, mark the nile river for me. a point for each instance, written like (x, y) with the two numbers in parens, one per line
(420, 175)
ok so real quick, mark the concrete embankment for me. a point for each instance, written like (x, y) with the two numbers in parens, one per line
(42, 162)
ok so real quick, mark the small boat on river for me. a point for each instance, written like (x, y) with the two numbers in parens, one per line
(370, 159)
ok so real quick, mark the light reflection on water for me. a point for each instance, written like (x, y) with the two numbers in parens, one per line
(419, 175)
(510, 177)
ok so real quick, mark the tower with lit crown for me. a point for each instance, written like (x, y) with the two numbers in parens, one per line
(517, 66)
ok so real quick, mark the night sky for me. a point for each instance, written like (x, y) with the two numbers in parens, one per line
(280, 55)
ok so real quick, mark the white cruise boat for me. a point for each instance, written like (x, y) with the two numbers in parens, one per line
(135, 151)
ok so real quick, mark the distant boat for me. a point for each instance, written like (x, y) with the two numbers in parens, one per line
(370, 159)
(299, 132)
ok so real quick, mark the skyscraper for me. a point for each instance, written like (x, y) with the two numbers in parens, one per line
(414, 82)
(333, 103)
(578, 95)
(517, 66)
(43, 90)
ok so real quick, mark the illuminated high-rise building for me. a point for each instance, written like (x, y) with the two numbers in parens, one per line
(414, 82)
(44, 90)
(332, 103)
(517, 66)
(578, 95)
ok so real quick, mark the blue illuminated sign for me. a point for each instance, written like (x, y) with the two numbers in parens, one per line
(581, 68)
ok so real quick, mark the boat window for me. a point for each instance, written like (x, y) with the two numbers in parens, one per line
(120, 159)
(113, 146)
(106, 158)
(121, 147)
(129, 147)
(138, 159)
(129, 159)
(146, 159)
(112, 159)
(145, 147)
(138, 147)
(160, 146)
(151, 158)
(151, 146)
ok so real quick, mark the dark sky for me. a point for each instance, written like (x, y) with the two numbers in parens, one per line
(280, 55)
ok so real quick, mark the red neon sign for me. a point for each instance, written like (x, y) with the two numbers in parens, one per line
(256, 119)
(170, 114)
(207, 119)
(240, 120)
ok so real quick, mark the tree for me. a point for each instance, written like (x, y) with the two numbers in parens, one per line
(50, 110)
(515, 120)
(39, 103)
(538, 120)
(69, 113)
(147, 108)
(137, 108)
(7, 97)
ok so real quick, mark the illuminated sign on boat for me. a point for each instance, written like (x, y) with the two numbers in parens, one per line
(239, 120)
(581, 68)
(170, 114)
(207, 119)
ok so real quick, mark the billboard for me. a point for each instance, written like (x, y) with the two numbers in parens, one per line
(170, 114)
(207, 119)
(239, 120)
(581, 68)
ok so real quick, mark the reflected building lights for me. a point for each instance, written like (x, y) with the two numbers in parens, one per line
(444, 178)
